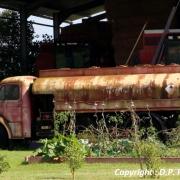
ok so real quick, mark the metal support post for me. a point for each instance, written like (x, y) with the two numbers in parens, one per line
(56, 24)
(23, 37)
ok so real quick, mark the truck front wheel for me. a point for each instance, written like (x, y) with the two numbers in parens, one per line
(3, 138)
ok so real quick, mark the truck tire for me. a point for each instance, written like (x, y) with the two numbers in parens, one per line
(3, 138)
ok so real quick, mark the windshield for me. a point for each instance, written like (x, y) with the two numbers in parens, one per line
(173, 53)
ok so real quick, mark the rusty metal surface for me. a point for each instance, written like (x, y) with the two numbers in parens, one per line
(111, 90)
(23, 79)
(119, 105)
(96, 71)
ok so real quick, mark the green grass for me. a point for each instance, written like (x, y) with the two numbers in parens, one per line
(47, 171)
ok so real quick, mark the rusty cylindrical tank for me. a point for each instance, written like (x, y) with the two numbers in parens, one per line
(152, 91)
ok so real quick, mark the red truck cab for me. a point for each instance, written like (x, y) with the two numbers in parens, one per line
(22, 114)
(15, 107)
(171, 50)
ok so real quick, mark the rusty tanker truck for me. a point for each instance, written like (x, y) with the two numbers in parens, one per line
(27, 103)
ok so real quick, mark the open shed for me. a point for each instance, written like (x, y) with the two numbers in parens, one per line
(125, 18)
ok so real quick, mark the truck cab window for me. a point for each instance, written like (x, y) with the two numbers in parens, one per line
(11, 92)
(173, 55)
(1, 93)
(172, 52)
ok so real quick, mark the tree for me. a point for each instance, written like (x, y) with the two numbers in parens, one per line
(10, 59)
(74, 154)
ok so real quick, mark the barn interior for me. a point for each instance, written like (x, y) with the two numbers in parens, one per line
(105, 37)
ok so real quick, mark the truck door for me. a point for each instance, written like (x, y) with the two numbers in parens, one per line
(13, 108)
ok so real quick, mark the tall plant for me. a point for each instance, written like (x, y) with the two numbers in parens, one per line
(148, 148)
(74, 154)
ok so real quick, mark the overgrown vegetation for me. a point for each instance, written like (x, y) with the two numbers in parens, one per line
(64, 145)
(114, 140)
(62, 148)
(109, 137)
(53, 148)
(64, 122)
(146, 145)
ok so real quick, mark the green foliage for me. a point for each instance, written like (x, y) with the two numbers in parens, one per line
(68, 147)
(66, 119)
(170, 151)
(4, 165)
(150, 151)
(104, 141)
(10, 50)
(117, 118)
(10, 44)
(52, 148)
(55, 147)
(146, 145)
(172, 147)
(87, 134)
(114, 148)
(174, 137)
(97, 140)
(61, 119)
(123, 146)
(74, 154)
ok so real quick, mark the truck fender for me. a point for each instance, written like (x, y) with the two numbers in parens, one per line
(5, 124)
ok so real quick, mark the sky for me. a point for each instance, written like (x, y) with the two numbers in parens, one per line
(39, 30)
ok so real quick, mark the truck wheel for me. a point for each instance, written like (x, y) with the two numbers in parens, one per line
(3, 138)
